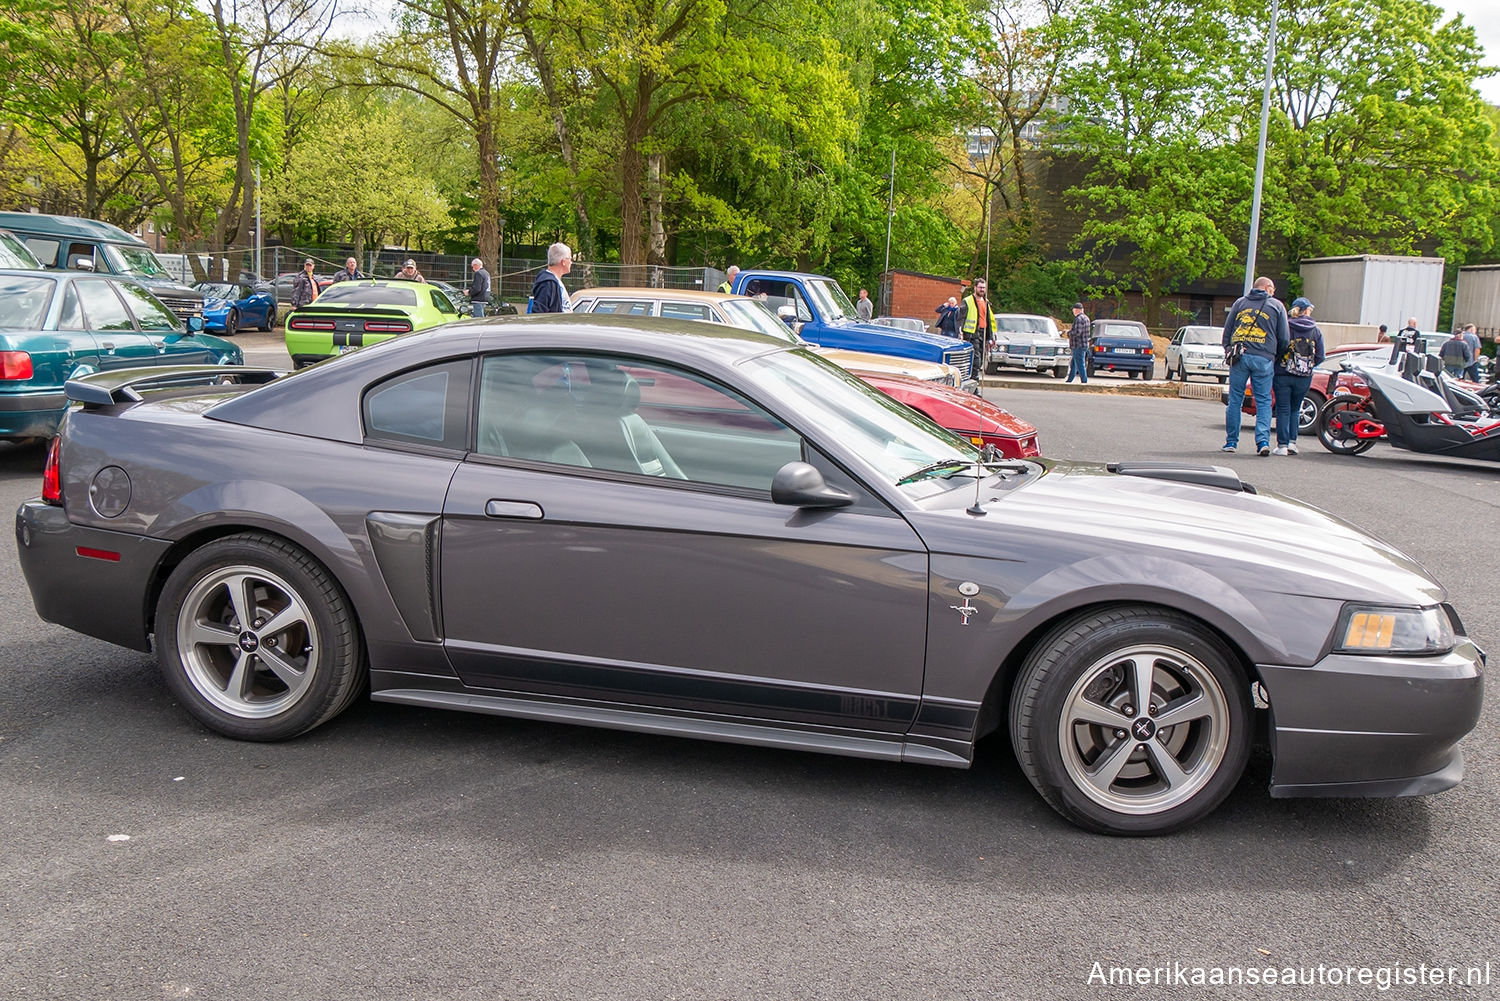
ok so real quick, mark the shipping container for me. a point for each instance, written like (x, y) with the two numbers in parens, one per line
(1477, 299)
(1370, 289)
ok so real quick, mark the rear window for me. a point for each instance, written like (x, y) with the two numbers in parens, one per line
(1118, 329)
(353, 294)
(15, 254)
(23, 302)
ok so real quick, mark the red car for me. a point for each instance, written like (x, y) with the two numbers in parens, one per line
(966, 414)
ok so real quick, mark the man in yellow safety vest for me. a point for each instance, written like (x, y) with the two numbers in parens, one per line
(976, 322)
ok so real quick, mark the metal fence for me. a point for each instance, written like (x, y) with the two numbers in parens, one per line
(511, 281)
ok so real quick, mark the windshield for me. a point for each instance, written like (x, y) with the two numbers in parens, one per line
(831, 300)
(218, 290)
(1202, 335)
(23, 302)
(128, 260)
(893, 439)
(15, 254)
(1023, 324)
(748, 314)
(350, 294)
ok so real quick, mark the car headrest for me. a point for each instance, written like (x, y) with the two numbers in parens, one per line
(613, 392)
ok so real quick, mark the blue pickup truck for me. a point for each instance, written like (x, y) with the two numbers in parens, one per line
(825, 316)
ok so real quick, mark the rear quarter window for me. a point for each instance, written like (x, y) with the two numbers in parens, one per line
(427, 406)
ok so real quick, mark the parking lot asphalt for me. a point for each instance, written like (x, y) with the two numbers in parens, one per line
(403, 853)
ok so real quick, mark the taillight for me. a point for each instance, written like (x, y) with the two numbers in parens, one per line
(386, 327)
(313, 325)
(52, 474)
(15, 366)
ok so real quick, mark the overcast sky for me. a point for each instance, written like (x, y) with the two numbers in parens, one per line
(1484, 17)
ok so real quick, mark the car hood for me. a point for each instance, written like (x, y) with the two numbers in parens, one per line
(1257, 541)
(896, 333)
(1020, 337)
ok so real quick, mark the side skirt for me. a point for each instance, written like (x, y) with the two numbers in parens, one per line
(681, 726)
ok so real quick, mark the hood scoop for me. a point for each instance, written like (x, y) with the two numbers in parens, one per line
(1221, 477)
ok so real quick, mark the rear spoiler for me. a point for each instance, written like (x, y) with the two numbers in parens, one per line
(105, 389)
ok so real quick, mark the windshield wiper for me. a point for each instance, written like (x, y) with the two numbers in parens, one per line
(959, 465)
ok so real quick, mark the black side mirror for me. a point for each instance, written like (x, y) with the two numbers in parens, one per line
(800, 485)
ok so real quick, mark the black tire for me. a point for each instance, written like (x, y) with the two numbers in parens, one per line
(1223, 380)
(1167, 373)
(1181, 370)
(232, 323)
(233, 676)
(1331, 420)
(1163, 778)
(994, 368)
(270, 323)
(1307, 417)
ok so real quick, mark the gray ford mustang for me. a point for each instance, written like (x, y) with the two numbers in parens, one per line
(700, 531)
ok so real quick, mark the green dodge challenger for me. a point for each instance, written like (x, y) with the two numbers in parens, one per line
(349, 315)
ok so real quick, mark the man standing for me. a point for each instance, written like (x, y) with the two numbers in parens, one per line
(864, 307)
(1471, 338)
(977, 321)
(727, 285)
(548, 294)
(1456, 356)
(479, 288)
(1078, 343)
(304, 286)
(349, 272)
(410, 273)
(1411, 333)
(1255, 335)
(948, 316)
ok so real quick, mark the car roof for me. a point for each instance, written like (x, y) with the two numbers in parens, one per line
(762, 273)
(68, 226)
(327, 396)
(686, 295)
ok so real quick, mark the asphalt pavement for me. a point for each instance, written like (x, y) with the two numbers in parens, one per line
(405, 853)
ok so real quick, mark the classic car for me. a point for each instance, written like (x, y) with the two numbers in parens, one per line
(538, 517)
(1028, 342)
(752, 314)
(1197, 350)
(58, 325)
(349, 315)
(1121, 346)
(227, 306)
(967, 415)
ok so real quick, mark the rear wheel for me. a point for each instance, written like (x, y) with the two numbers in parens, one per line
(270, 323)
(1132, 720)
(257, 640)
(232, 323)
(1335, 424)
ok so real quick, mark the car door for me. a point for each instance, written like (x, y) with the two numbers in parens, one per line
(162, 329)
(1174, 349)
(660, 574)
(119, 343)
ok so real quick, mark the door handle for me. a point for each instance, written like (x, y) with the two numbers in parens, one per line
(512, 509)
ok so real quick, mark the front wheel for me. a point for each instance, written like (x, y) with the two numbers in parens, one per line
(1131, 721)
(1336, 422)
(257, 640)
(1307, 416)
(232, 323)
(270, 323)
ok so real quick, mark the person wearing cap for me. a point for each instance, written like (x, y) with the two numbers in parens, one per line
(1294, 371)
(548, 294)
(410, 273)
(1079, 335)
(304, 286)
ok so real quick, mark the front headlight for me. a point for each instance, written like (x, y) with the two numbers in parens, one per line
(1388, 629)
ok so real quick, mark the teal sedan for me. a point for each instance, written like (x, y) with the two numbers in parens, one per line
(58, 325)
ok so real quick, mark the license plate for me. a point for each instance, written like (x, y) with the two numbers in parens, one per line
(1030, 361)
(346, 348)
(1125, 351)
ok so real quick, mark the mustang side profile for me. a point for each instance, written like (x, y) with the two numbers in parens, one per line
(692, 529)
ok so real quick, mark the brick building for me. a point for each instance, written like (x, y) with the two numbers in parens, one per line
(914, 294)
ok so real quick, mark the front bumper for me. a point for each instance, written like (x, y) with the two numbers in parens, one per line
(999, 359)
(1203, 366)
(1373, 726)
(101, 597)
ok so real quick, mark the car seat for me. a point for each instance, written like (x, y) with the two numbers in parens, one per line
(612, 434)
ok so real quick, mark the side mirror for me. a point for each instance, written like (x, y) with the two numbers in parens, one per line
(787, 315)
(82, 263)
(800, 485)
(195, 323)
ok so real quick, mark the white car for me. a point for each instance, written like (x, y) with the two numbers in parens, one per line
(1028, 342)
(1197, 350)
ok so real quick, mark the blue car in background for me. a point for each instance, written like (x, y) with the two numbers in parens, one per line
(228, 306)
(1122, 346)
(60, 325)
(819, 311)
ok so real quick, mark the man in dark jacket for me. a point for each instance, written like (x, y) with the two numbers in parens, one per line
(304, 286)
(1255, 335)
(1456, 355)
(548, 294)
(1294, 371)
(1079, 335)
(479, 287)
(349, 273)
(948, 316)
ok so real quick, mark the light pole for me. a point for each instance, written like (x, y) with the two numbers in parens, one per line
(890, 212)
(258, 273)
(1260, 150)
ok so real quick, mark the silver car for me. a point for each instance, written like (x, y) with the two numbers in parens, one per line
(1028, 342)
(1197, 350)
(691, 529)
